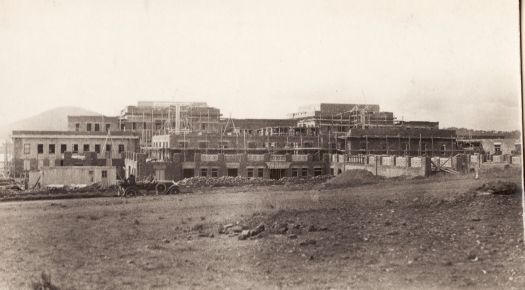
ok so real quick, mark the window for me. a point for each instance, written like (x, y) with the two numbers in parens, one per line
(97, 127)
(183, 144)
(40, 148)
(108, 147)
(308, 145)
(295, 171)
(120, 148)
(75, 148)
(123, 127)
(214, 172)
(260, 172)
(443, 149)
(250, 172)
(497, 148)
(27, 165)
(63, 148)
(77, 127)
(134, 126)
(203, 127)
(318, 171)
(203, 144)
(104, 174)
(108, 126)
(204, 172)
(252, 145)
(97, 148)
(88, 126)
(51, 148)
(27, 149)
(86, 147)
(304, 171)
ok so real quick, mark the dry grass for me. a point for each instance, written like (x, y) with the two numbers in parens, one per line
(124, 246)
(44, 283)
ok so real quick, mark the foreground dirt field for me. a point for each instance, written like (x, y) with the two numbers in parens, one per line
(418, 234)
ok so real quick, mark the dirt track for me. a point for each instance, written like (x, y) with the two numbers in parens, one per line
(424, 234)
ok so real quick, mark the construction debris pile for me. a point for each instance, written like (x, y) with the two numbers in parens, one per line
(353, 177)
(226, 181)
(291, 230)
(497, 187)
(11, 190)
(9, 186)
(93, 187)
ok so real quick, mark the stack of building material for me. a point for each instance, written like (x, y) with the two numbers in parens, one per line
(202, 181)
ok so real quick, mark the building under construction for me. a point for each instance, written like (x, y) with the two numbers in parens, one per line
(300, 145)
(157, 118)
(174, 140)
(342, 117)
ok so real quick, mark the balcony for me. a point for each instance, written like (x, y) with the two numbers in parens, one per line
(255, 157)
(278, 158)
(232, 157)
(209, 157)
(300, 157)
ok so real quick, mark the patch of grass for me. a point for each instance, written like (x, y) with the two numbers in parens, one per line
(197, 227)
(44, 283)
(268, 203)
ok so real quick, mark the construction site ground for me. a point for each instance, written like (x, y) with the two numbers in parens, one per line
(428, 233)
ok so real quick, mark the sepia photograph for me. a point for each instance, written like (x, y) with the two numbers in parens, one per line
(277, 144)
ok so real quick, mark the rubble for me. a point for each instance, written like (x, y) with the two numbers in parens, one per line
(226, 181)
(8, 186)
(497, 187)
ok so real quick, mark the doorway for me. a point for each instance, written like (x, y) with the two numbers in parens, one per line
(277, 173)
(233, 172)
(187, 173)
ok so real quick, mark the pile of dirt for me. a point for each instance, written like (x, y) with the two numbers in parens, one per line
(353, 178)
(228, 181)
(497, 187)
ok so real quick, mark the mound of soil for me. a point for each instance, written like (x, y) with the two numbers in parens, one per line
(353, 178)
(498, 187)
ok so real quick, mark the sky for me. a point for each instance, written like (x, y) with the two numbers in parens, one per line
(456, 62)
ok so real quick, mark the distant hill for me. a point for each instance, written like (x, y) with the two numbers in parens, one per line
(54, 119)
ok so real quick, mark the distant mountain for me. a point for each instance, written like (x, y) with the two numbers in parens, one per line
(54, 119)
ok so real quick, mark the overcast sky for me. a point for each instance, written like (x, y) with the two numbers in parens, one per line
(456, 62)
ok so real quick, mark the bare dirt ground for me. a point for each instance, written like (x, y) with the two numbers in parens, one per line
(418, 234)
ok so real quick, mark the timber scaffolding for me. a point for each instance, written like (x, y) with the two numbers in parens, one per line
(342, 117)
(156, 118)
(400, 141)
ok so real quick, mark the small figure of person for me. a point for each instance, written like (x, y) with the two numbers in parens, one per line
(131, 179)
